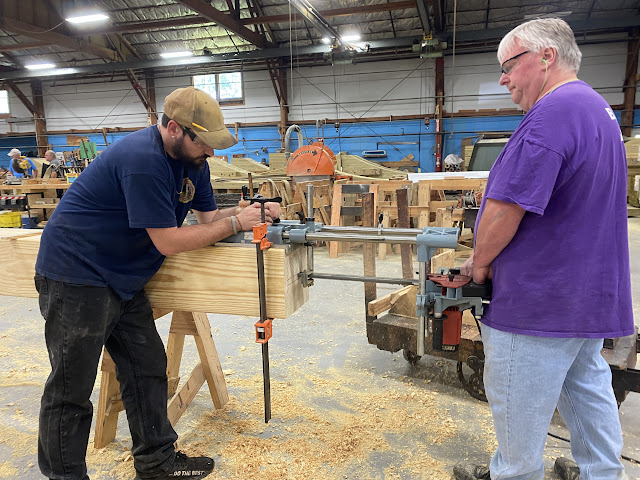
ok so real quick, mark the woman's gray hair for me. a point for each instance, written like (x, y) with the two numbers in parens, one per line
(536, 35)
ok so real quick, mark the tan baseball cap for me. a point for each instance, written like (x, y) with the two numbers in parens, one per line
(196, 110)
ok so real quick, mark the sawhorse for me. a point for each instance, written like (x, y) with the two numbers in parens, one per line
(209, 369)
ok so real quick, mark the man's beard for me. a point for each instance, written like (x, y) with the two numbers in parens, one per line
(181, 154)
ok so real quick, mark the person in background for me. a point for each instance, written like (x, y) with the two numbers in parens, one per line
(106, 239)
(20, 166)
(552, 235)
(54, 163)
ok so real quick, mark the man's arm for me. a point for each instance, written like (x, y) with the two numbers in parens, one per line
(498, 225)
(214, 226)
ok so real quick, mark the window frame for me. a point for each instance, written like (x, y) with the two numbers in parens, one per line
(224, 102)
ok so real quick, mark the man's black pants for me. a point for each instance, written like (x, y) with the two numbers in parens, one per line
(79, 320)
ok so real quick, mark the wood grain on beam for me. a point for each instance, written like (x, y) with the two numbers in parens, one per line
(39, 33)
(226, 21)
(217, 279)
(337, 12)
(21, 96)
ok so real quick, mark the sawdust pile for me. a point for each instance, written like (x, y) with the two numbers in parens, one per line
(328, 427)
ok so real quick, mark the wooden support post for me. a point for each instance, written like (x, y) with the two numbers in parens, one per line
(41, 125)
(209, 370)
(403, 222)
(424, 199)
(369, 252)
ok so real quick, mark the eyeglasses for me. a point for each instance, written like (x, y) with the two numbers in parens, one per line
(197, 141)
(506, 69)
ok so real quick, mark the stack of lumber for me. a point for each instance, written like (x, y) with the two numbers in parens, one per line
(219, 167)
(217, 279)
(355, 165)
(249, 165)
(632, 147)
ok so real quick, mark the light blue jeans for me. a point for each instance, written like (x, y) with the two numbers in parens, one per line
(525, 378)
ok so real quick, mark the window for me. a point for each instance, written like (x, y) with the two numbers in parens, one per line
(4, 102)
(226, 88)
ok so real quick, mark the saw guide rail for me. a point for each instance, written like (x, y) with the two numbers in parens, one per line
(431, 323)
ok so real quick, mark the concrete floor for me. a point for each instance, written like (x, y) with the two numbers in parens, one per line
(341, 408)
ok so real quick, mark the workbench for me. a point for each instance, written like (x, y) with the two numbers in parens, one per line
(34, 189)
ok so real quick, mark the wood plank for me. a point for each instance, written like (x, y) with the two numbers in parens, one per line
(181, 400)
(403, 222)
(382, 304)
(369, 251)
(200, 280)
(210, 361)
(336, 206)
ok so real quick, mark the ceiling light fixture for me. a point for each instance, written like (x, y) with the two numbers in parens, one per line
(326, 40)
(355, 37)
(183, 53)
(40, 66)
(94, 17)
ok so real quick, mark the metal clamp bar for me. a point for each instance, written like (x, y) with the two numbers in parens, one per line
(360, 278)
(371, 230)
(311, 237)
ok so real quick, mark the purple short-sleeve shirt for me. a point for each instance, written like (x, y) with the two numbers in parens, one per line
(566, 271)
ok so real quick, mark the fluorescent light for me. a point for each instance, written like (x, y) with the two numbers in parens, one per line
(182, 53)
(355, 37)
(40, 66)
(95, 17)
(326, 40)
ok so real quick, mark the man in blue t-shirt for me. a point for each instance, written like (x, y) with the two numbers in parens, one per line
(108, 236)
(20, 166)
(552, 235)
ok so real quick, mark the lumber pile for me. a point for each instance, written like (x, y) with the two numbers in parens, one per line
(219, 167)
(217, 279)
(249, 165)
(355, 165)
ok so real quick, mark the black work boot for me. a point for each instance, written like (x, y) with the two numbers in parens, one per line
(566, 468)
(469, 471)
(185, 467)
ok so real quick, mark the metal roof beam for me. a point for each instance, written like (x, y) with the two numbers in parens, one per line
(39, 33)
(314, 17)
(423, 13)
(226, 21)
(438, 15)
(337, 12)
(578, 26)
(198, 60)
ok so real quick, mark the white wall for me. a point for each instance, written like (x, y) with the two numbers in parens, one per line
(400, 87)
(363, 90)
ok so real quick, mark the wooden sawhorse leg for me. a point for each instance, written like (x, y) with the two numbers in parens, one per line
(209, 369)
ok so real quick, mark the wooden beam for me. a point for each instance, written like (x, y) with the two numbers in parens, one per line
(382, 304)
(337, 12)
(200, 280)
(23, 46)
(42, 141)
(21, 96)
(39, 33)
(226, 21)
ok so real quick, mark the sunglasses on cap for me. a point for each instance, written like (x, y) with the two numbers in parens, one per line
(506, 69)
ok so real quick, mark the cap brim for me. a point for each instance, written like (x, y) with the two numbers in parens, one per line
(217, 140)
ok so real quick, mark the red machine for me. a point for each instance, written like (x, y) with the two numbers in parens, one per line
(309, 162)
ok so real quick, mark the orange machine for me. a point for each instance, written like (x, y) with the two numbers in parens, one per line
(309, 162)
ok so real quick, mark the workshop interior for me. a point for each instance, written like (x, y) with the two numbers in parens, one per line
(342, 340)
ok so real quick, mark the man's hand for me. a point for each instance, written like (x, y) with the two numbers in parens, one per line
(467, 266)
(481, 274)
(251, 215)
(273, 210)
